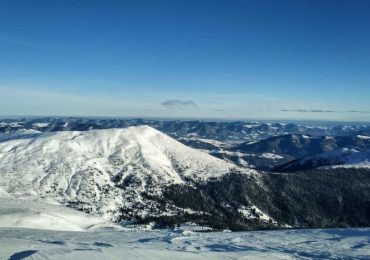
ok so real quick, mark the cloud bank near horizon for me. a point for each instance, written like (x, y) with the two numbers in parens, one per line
(324, 111)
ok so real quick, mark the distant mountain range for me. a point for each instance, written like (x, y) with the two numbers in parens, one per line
(278, 150)
(258, 145)
(344, 158)
(233, 131)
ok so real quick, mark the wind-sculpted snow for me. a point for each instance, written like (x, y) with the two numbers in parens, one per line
(103, 171)
(183, 243)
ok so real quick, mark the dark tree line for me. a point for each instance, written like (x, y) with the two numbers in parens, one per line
(308, 199)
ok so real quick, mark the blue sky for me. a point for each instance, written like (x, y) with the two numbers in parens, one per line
(201, 59)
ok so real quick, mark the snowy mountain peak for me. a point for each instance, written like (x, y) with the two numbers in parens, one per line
(103, 170)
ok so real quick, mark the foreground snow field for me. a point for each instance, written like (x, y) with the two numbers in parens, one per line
(63, 233)
(184, 244)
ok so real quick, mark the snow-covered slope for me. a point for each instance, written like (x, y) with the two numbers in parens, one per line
(103, 171)
(24, 212)
(348, 158)
(183, 244)
(21, 133)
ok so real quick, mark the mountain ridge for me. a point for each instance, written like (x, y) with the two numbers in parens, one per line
(104, 171)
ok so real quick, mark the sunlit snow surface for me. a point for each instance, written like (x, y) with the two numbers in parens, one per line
(86, 169)
(184, 244)
(63, 233)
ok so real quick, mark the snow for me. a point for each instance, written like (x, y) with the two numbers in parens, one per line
(244, 163)
(185, 244)
(21, 133)
(346, 158)
(358, 165)
(254, 212)
(252, 126)
(339, 158)
(204, 140)
(15, 124)
(271, 156)
(365, 137)
(41, 125)
(43, 229)
(40, 173)
(78, 168)
(23, 212)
